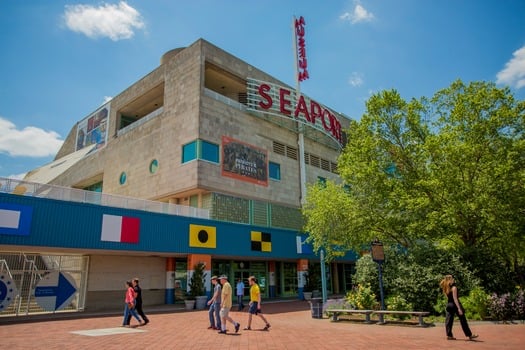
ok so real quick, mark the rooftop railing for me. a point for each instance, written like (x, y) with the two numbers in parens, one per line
(33, 189)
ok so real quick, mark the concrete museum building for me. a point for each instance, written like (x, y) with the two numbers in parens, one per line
(204, 159)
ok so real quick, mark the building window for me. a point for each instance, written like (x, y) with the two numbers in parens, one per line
(153, 166)
(123, 177)
(96, 187)
(189, 152)
(200, 149)
(210, 151)
(275, 171)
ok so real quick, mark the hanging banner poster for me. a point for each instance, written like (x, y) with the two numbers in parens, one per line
(244, 162)
(93, 129)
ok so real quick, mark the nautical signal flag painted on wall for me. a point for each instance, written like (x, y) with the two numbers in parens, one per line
(122, 229)
(261, 241)
(15, 219)
(203, 236)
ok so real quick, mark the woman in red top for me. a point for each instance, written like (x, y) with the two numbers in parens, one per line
(129, 308)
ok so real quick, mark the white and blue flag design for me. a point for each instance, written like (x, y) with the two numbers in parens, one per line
(15, 219)
(302, 246)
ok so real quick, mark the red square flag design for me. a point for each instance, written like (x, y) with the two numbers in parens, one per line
(124, 229)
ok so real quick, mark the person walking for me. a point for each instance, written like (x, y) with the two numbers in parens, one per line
(448, 285)
(138, 301)
(226, 304)
(240, 294)
(215, 305)
(129, 308)
(255, 304)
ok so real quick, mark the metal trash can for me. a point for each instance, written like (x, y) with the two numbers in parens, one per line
(316, 305)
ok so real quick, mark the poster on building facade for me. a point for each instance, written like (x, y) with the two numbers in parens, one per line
(93, 129)
(244, 162)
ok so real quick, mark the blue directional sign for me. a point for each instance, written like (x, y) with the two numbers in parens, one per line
(8, 291)
(55, 291)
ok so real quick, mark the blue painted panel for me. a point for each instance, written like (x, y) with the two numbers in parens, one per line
(73, 225)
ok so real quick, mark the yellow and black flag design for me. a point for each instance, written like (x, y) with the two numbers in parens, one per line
(261, 241)
(203, 236)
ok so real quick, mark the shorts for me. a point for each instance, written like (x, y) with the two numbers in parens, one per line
(253, 308)
(224, 312)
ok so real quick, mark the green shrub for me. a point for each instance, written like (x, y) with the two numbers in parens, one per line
(476, 304)
(398, 303)
(362, 298)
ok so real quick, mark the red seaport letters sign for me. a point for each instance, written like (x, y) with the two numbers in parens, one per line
(283, 102)
(302, 66)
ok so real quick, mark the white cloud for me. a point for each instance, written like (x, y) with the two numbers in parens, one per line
(114, 21)
(356, 79)
(360, 14)
(30, 141)
(514, 72)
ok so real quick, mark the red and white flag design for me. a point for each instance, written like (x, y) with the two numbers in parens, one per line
(122, 229)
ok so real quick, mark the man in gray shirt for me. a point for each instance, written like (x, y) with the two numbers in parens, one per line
(215, 305)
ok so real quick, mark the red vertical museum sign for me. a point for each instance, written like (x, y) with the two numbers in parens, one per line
(302, 66)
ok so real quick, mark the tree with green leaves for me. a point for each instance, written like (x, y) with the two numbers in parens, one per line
(449, 169)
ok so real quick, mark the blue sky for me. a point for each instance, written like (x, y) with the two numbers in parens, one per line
(60, 60)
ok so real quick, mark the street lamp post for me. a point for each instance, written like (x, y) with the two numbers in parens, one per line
(378, 255)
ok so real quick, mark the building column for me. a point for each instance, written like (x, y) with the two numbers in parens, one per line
(335, 278)
(272, 289)
(194, 259)
(169, 297)
(302, 269)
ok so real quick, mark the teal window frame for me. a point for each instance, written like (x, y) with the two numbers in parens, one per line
(200, 149)
(123, 178)
(274, 170)
(153, 166)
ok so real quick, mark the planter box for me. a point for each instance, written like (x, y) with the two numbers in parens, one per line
(200, 302)
(190, 304)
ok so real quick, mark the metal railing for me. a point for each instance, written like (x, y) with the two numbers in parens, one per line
(27, 188)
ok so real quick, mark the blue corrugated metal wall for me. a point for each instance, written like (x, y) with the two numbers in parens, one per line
(63, 224)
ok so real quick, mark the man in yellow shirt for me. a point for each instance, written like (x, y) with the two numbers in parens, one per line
(226, 304)
(255, 303)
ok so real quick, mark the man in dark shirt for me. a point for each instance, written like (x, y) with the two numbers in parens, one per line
(138, 301)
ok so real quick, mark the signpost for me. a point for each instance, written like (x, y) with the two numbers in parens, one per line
(378, 255)
(55, 291)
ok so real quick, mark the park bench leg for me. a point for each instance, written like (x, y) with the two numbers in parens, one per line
(367, 318)
(381, 318)
(421, 322)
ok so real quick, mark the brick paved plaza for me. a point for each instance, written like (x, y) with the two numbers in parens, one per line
(292, 328)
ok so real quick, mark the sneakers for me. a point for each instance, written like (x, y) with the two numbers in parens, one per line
(211, 327)
(473, 336)
(267, 327)
(247, 329)
(451, 338)
(221, 332)
(237, 326)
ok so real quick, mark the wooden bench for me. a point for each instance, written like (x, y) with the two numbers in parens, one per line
(419, 314)
(336, 312)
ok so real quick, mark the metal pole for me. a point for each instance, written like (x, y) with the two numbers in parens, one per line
(323, 276)
(381, 286)
(299, 126)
